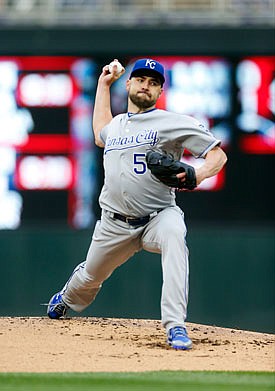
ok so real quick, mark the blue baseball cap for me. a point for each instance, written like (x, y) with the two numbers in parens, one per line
(147, 66)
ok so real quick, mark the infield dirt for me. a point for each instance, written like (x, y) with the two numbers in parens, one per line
(30, 344)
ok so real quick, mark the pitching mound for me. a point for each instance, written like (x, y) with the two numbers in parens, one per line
(120, 345)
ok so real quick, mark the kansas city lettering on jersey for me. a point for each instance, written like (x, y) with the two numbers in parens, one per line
(145, 137)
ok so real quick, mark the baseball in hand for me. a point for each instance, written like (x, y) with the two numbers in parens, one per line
(119, 67)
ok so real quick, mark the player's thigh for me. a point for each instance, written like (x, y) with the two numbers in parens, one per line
(108, 250)
(167, 228)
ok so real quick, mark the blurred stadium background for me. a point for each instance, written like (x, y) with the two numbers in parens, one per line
(220, 63)
(129, 13)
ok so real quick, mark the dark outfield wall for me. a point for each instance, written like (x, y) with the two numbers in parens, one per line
(231, 276)
(138, 41)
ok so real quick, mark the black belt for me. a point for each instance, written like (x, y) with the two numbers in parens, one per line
(135, 222)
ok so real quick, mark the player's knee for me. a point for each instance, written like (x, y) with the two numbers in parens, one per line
(175, 231)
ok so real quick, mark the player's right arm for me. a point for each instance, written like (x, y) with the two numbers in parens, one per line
(102, 109)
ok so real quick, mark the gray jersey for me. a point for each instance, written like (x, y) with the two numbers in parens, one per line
(129, 187)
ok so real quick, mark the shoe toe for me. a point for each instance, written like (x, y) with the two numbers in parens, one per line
(182, 344)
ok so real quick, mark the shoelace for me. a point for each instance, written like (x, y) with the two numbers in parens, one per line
(179, 332)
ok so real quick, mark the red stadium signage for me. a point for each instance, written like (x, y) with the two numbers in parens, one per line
(47, 138)
(255, 77)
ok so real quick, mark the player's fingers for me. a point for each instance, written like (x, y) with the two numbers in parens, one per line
(181, 176)
(112, 76)
(114, 71)
(106, 75)
(122, 70)
(105, 69)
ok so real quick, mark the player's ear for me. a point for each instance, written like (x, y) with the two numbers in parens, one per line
(128, 82)
(160, 92)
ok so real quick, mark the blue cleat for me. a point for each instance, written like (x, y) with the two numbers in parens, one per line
(56, 308)
(178, 338)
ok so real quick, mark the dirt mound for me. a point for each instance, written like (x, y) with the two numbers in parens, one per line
(122, 345)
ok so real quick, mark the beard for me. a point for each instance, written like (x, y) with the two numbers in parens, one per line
(142, 102)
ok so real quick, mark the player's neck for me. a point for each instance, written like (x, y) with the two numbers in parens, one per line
(132, 108)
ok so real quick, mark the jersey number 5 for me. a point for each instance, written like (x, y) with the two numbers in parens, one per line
(140, 165)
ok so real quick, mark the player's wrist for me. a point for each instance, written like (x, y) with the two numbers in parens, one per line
(201, 174)
(105, 82)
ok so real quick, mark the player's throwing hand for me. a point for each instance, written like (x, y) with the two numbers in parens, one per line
(112, 72)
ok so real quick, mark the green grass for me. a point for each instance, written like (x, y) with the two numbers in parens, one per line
(160, 381)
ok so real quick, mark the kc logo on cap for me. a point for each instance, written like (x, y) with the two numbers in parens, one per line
(147, 64)
(150, 63)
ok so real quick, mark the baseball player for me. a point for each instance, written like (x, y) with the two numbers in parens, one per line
(138, 208)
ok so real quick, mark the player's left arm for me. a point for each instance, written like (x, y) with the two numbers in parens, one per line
(215, 159)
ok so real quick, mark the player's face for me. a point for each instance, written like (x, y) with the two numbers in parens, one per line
(144, 91)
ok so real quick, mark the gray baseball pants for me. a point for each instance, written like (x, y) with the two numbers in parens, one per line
(114, 242)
